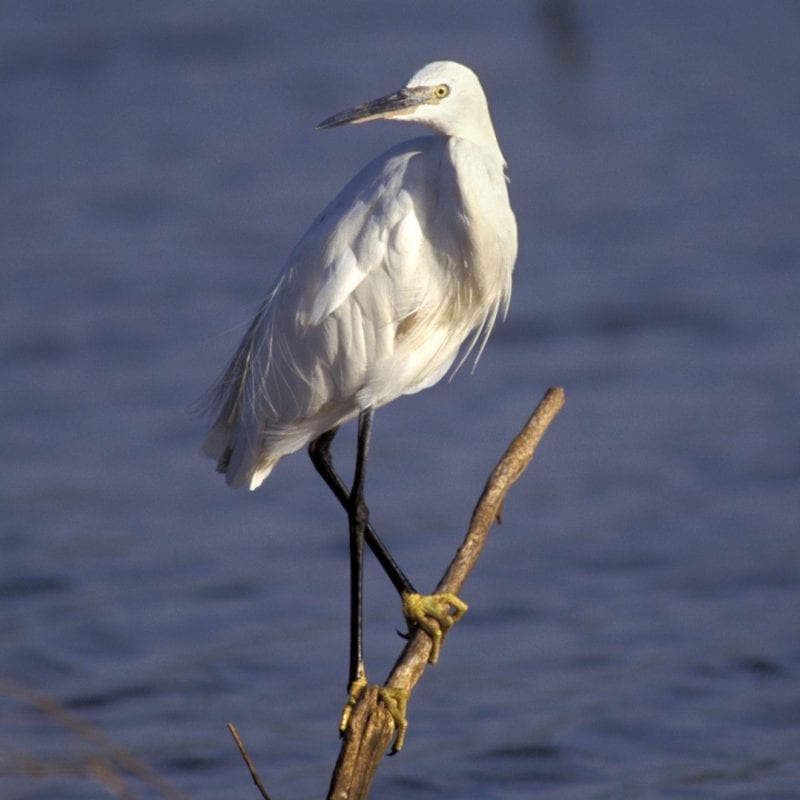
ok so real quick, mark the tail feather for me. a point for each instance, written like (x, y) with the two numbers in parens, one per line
(236, 459)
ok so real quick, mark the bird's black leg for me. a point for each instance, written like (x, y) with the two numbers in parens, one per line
(320, 452)
(358, 516)
(434, 614)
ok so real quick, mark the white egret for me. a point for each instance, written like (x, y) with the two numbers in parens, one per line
(413, 258)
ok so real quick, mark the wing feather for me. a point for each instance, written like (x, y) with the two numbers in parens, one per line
(334, 309)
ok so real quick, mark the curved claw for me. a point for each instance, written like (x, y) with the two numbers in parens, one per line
(396, 700)
(435, 614)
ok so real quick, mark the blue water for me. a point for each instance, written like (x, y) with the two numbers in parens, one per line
(634, 624)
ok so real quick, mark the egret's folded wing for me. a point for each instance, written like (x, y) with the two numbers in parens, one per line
(349, 239)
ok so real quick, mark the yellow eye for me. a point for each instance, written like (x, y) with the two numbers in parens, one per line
(441, 91)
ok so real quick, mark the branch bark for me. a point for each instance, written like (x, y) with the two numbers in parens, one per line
(371, 728)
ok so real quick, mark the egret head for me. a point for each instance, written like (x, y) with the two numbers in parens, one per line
(443, 95)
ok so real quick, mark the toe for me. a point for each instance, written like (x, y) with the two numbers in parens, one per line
(435, 614)
(395, 701)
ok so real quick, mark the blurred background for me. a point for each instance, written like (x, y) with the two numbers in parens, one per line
(634, 624)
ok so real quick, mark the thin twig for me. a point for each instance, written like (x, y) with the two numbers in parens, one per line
(250, 766)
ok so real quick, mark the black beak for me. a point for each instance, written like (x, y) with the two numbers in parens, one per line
(390, 105)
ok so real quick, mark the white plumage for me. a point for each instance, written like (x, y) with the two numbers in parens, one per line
(413, 258)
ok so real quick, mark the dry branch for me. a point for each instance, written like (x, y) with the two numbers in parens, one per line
(371, 728)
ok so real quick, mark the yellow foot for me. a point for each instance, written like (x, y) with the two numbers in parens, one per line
(396, 700)
(353, 693)
(435, 614)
